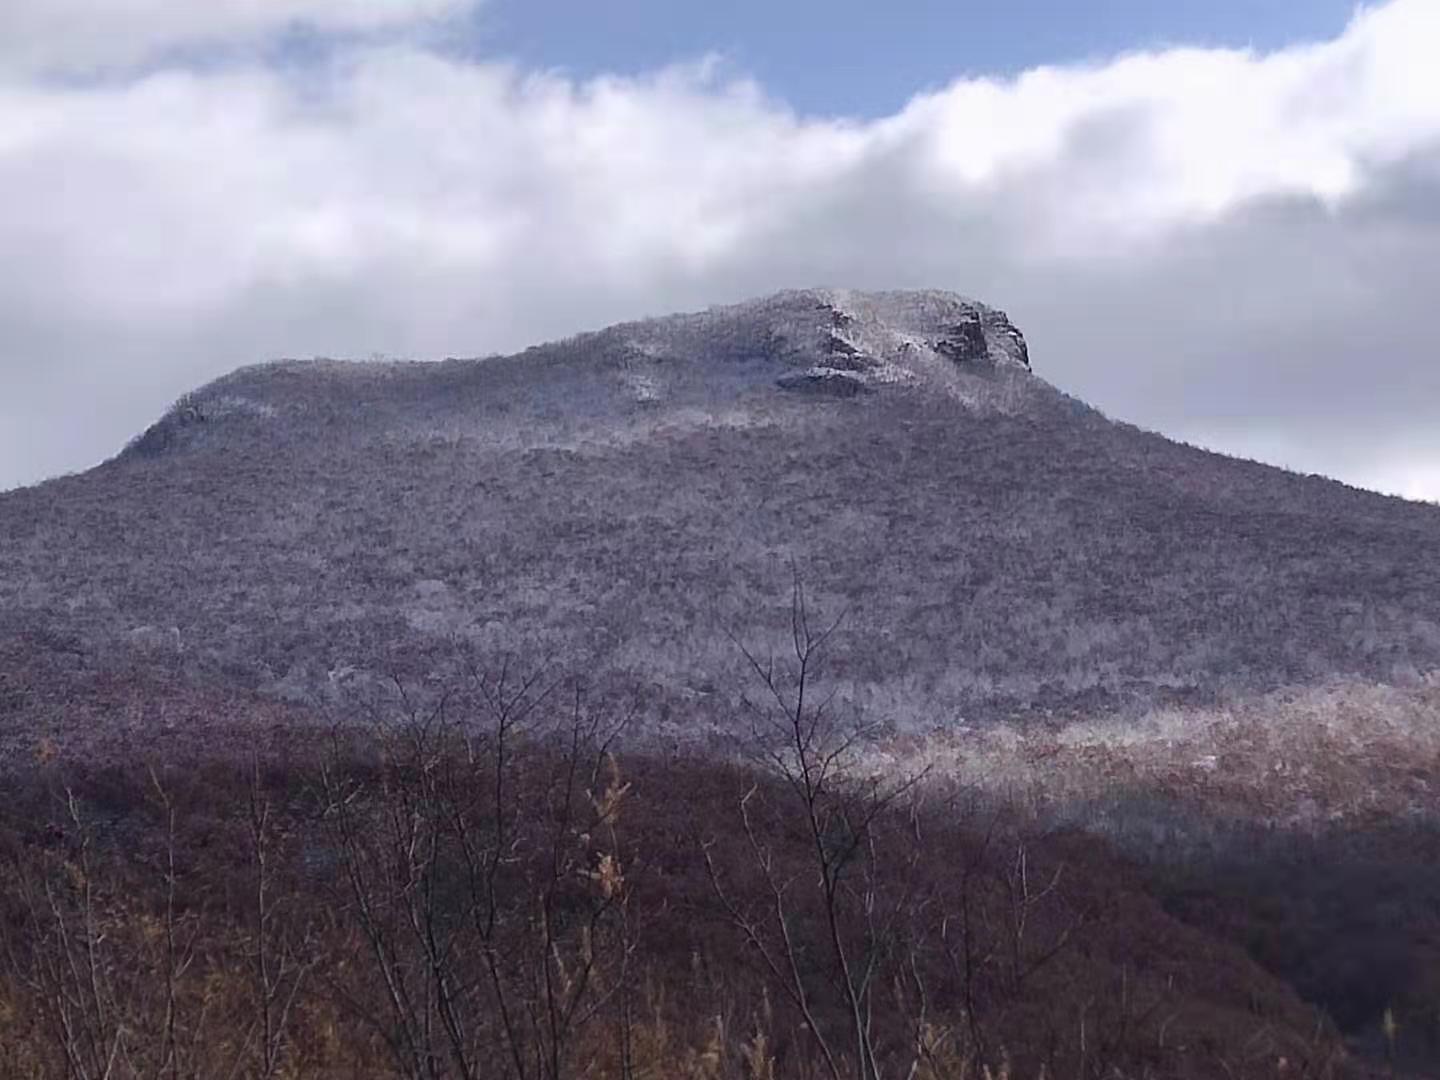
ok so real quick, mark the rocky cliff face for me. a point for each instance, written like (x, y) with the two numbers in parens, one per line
(845, 343)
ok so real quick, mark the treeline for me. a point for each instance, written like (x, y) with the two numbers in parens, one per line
(489, 886)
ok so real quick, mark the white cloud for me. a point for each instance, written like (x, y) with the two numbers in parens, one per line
(1229, 246)
(69, 35)
(1114, 152)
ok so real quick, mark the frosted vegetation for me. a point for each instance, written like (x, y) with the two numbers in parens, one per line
(631, 502)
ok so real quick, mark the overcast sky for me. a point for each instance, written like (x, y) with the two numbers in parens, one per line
(1221, 221)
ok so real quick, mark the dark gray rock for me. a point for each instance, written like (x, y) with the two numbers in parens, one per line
(964, 340)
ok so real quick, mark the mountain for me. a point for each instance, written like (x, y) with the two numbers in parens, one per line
(1179, 716)
(636, 504)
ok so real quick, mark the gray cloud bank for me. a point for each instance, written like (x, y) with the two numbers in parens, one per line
(1236, 249)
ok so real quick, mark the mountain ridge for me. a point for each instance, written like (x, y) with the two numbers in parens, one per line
(633, 500)
(823, 341)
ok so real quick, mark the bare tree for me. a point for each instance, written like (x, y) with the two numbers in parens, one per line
(69, 966)
(484, 876)
(111, 980)
(865, 896)
(278, 966)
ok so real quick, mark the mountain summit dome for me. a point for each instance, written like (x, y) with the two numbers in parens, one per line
(632, 501)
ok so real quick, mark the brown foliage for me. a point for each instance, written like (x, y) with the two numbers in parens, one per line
(437, 904)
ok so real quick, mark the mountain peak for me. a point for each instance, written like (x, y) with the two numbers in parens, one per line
(833, 343)
(847, 341)
(953, 326)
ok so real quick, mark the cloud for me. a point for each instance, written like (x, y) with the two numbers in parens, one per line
(1227, 246)
(86, 35)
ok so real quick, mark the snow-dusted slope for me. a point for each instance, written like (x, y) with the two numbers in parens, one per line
(631, 501)
(726, 361)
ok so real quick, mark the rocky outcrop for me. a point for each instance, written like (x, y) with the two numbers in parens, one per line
(875, 338)
(984, 335)
(965, 341)
(1008, 338)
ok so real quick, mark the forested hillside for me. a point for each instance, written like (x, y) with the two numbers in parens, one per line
(628, 502)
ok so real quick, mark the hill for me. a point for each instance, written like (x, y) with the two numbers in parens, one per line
(635, 501)
(1202, 693)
